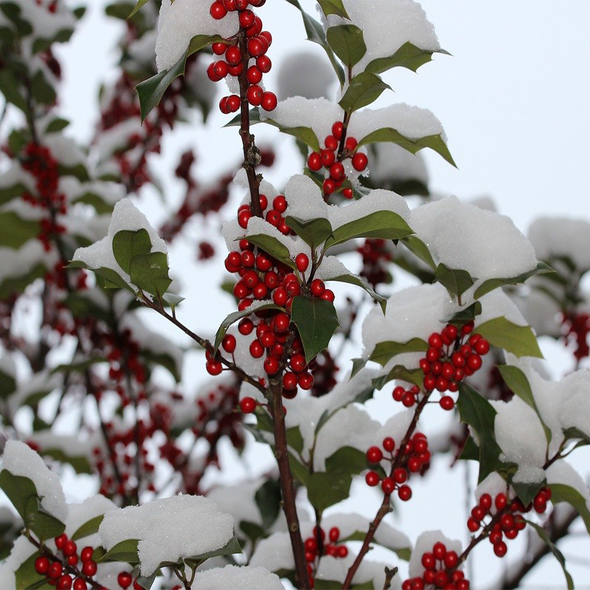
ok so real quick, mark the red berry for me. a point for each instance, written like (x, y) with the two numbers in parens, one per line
(79, 584)
(388, 485)
(400, 475)
(428, 561)
(69, 548)
(334, 534)
(86, 554)
(501, 501)
(374, 455)
(359, 162)
(229, 345)
(317, 288)
(404, 493)
(439, 550)
(331, 143)
(485, 501)
(217, 10)
(482, 346)
(233, 55)
(388, 444)
(271, 365)
(233, 103)
(298, 363)
(372, 479)
(60, 541)
(214, 368)
(256, 349)
(447, 403)
(500, 549)
(55, 570)
(64, 582)
(280, 204)
(254, 75)
(264, 64)
(347, 193)
(337, 171)
(246, 19)
(290, 381)
(441, 579)
(337, 129)
(89, 568)
(327, 157)
(219, 48)
(42, 565)
(314, 161)
(342, 551)
(257, 46)
(247, 405)
(328, 295)
(245, 327)
(474, 362)
(254, 95)
(329, 186)
(302, 262)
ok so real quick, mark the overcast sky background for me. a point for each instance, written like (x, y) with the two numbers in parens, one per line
(514, 103)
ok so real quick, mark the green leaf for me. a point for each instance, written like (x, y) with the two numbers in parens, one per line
(363, 90)
(7, 384)
(348, 43)
(564, 493)
(305, 134)
(465, 315)
(315, 33)
(299, 471)
(380, 224)
(11, 90)
(526, 492)
(316, 321)
(388, 134)
(235, 316)
(125, 551)
(420, 249)
(294, 438)
(11, 192)
(357, 365)
(268, 500)
(149, 272)
(407, 56)
(333, 7)
(251, 530)
(326, 489)
(56, 124)
(138, 6)
(360, 282)
(476, 411)
(470, 451)
(110, 279)
(456, 281)
(44, 525)
(96, 201)
(347, 459)
(492, 284)
(78, 462)
(502, 333)
(314, 232)
(385, 351)
(553, 548)
(150, 91)
(272, 246)
(414, 376)
(127, 244)
(230, 548)
(88, 528)
(15, 231)
(79, 367)
(519, 384)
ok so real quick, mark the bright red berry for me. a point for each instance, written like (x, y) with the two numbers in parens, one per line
(359, 161)
(42, 565)
(247, 405)
(302, 262)
(374, 455)
(217, 10)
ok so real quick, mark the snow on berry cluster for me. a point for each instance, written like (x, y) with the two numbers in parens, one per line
(413, 458)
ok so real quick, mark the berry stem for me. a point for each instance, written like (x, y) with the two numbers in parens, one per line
(385, 507)
(251, 153)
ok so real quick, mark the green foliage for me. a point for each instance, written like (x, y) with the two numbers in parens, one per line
(385, 351)
(414, 376)
(419, 249)
(502, 333)
(455, 281)
(314, 232)
(476, 411)
(492, 284)
(348, 43)
(125, 551)
(325, 489)
(268, 500)
(272, 246)
(333, 7)
(316, 321)
(564, 493)
(27, 577)
(352, 279)
(407, 56)
(363, 90)
(88, 528)
(15, 231)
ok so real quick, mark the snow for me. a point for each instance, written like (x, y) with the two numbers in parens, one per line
(64, 149)
(569, 237)
(244, 510)
(521, 437)
(21, 460)
(293, 75)
(306, 203)
(234, 576)
(563, 473)
(83, 512)
(392, 163)
(424, 544)
(117, 137)
(125, 217)
(109, 192)
(18, 263)
(370, 574)
(182, 20)
(463, 236)
(387, 25)
(169, 529)
(46, 25)
(42, 382)
(412, 122)
(143, 49)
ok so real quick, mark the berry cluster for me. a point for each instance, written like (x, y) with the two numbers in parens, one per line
(331, 157)
(316, 546)
(41, 164)
(376, 258)
(256, 46)
(508, 520)
(51, 6)
(577, 328)
(452, 356)
(415, 458)
(65, 573)
(439, 571)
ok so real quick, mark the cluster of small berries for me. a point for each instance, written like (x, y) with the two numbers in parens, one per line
(324, 369)
(331, 158)
(316, 546)
(41, 164)
(274, 214)
(66, 574)
(51, 6)
(452, 356)
(577, 328)
(415, 459)
(257, 44)
(439, 571)
(376, 258)
(508, 520)
(123, 355)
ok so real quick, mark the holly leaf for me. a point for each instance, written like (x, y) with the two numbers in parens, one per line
(149, 272)
(272, 246)
(352, 279)
(518, 340)
(363, 90)
(15, 231)
(407, 56)
(564, 493)
(268, 500)
(314, 232)
(125, 551)
(476, 411)
(329, 488)
(456, 281)
(348, 43)
(414, 376)
(128, 244)
(90, 527)
(316, 321)
(492, 284)
(415, 245)
(385, 351)
(333, 7)
(556, 552)
(389, 134)
(380, 224)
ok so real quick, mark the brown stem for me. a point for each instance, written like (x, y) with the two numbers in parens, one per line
(389, 575)
(251, 153)
(385, 507)
(286, 480)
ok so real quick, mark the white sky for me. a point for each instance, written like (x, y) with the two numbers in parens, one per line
(514, 102)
